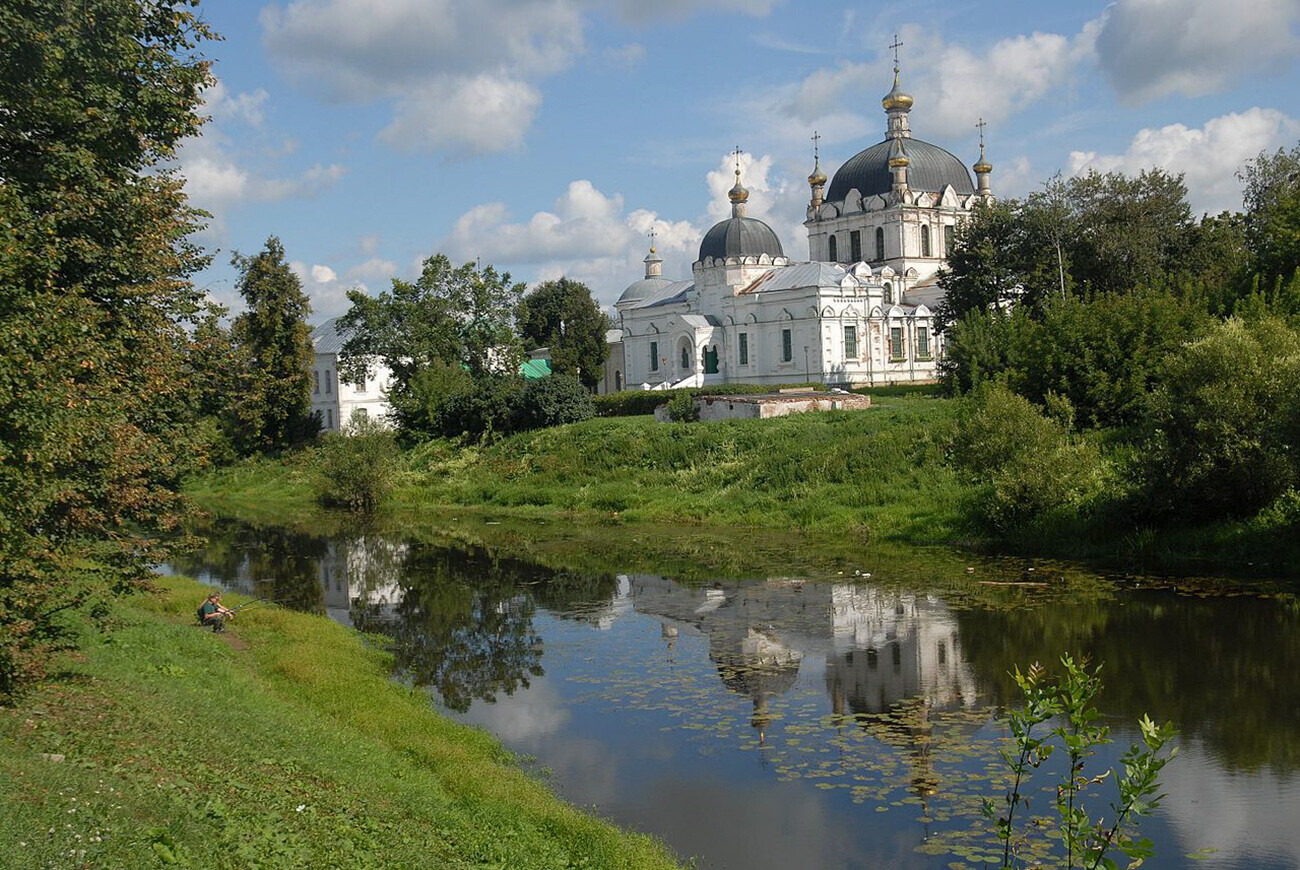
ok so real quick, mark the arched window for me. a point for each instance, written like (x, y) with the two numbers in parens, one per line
(889, 293)
(949, 231)
(880, 243)
(618, 380)
(831, 253)
(925, 241)
(686, 357)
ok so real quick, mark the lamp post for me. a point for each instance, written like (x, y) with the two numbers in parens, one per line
(807, 373)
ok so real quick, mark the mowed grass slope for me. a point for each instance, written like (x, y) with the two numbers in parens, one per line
(880, 470)
(282, 744)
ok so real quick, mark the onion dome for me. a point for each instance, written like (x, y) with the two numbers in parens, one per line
(897, 100)
(818, 177)
(739, 194)
(898, 155)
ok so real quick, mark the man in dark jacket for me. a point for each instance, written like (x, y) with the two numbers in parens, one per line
(212, 613)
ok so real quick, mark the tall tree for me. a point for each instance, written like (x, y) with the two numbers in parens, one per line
(448, 318)
(563, 316)
(94, 296)
(1272, 199)
(274, 335)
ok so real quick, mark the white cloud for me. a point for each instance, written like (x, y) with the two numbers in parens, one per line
(1209, 156)
(1153, 48)
(226, 167)
(464, 116)
(462, 75)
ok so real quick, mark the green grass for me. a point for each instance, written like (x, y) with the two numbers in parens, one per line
(282, 744)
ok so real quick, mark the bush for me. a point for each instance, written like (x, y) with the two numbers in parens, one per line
(682, 407)
(1028, 466)
(552, 401)
(1224, 428)
(481, 408)
(357, 469)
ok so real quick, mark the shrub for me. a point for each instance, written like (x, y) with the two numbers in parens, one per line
(1027, 465)
(1224, 426)
(552, 401)
(682, 407)
(479, 409)
(357, 469)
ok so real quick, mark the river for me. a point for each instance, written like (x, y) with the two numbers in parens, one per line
(827, 719)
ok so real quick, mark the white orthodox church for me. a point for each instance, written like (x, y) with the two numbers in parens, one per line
(858, 312)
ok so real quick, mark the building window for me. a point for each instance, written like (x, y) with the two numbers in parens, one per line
(880, 243)
(711, 360)
(925, 241)
(654, 356)
(360, 383)
(948, 233)
(618, 380)
(850, 342)
(744, 348)
(329, 418)
(787, 346)
(922, 342)
(315, 382)
(855, 246)
(889, 293)
(329, 383)
(896, 343)
(832, 253)
(360, 414)
(686, 357)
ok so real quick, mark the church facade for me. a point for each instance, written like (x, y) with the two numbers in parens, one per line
(859, 311)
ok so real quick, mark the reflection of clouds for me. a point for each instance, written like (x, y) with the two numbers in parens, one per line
(524, 716)
(1248, 818)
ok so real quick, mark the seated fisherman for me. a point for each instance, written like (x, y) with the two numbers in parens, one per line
(212, 613)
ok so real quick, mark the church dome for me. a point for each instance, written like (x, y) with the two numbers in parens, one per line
(740, 237)
(931, 168)
(641, 290)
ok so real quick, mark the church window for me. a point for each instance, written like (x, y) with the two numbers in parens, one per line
(889, 293)
(922, 342)
(329, 418)
(686, 357)
(744, 348)
(787, 346)
(831, 253)
(855, 246)
(618, 380)
(880, 243)
(360, 413)
(948, 239)
(315, 381)
(925, 241)
(711, 360)
(896, 343)
(329, 382)
(654, 356)
(850, 342)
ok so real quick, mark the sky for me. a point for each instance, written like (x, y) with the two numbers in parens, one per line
(549, 137)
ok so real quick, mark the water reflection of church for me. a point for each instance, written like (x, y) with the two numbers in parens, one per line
(880, 647)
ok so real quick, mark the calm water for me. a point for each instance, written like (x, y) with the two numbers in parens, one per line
(781, 722)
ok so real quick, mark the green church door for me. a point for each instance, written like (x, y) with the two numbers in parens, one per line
(711, 360)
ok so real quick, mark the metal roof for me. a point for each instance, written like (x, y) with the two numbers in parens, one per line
(740, 237)
(326, 339)
(815, 274)
(931, 168)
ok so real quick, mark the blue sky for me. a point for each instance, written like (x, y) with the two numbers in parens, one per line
(549, 136)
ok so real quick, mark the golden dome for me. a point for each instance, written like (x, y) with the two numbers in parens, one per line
(900, 160)
(897, 99)
(739, 193)
(818, 177)
(983, 166)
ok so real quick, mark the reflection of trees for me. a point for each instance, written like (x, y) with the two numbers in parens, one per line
(1223, 669)
(465, 623)
(265, 561)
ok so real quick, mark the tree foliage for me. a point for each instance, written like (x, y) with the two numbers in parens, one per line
(463, 316)
(1272, 220)
(563, 316)
(94, 295)
(272, 336)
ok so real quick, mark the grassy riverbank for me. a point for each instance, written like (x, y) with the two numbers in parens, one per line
(280, 744)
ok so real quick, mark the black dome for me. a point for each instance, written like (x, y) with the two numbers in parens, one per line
(740, 237)
(931, 168)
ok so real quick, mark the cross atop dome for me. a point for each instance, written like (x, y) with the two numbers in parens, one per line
(897, 102)
(738, 194)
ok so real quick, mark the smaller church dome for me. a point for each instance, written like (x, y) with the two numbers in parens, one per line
(740, 237)
(897, 99)
(641, 290)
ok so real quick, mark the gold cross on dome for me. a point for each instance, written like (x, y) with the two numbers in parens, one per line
(653, 232)
(816, 137)
(896, 45)
(981, 125)
(737, 154)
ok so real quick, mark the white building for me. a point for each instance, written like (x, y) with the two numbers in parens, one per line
(334, 400)
(860, 311)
